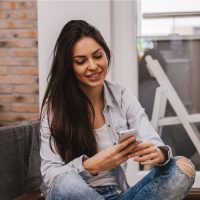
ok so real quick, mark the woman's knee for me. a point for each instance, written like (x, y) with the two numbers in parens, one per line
(178, 177)
(71, 186)
(65, 185)
(186, 166)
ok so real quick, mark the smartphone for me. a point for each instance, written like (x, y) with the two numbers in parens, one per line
(123, 135)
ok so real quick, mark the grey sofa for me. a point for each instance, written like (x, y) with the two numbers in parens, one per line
(19, 160)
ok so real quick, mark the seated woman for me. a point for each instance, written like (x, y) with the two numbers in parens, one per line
(82, 115)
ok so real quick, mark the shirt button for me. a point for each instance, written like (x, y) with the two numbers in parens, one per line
(109, 125)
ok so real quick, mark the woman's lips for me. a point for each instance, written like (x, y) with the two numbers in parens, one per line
(94, 76)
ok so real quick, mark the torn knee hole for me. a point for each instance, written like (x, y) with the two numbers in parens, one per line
(186, 166)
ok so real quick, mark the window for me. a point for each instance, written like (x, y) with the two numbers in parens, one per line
(170, 32)
(168, 17)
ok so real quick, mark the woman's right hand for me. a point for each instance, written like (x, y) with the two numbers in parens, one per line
(111, 157)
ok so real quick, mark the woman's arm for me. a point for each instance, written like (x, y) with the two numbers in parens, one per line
(111, 157)
(51, 163)
(152, 150)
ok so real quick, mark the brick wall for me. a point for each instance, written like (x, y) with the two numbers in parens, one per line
(18, 61)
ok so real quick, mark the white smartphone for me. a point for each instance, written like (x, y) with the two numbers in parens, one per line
(123, 135)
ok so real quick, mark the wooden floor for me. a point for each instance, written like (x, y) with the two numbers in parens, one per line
(194, 194)
(31, 196)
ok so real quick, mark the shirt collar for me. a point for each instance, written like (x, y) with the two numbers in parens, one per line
(112, 92)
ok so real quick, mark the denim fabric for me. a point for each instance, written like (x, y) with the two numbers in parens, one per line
(166, 182)
(72, 186)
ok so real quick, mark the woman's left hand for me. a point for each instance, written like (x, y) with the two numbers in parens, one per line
(148, 154)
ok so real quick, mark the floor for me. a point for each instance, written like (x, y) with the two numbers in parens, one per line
(31, 196)
(194, 194)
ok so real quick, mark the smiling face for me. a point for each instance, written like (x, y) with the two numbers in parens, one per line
(90, 63)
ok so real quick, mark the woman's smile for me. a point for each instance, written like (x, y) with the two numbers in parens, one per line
(94, 76)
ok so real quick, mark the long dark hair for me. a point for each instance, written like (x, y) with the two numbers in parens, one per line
(69, 111)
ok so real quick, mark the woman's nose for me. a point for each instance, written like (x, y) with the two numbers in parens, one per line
(92, 65)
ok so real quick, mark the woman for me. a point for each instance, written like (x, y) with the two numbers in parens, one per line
(82, 115)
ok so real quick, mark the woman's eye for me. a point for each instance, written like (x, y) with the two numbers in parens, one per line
(79, 62)
(98, 56)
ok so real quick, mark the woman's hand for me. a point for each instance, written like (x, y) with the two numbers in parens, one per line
(111, 157)
(148, 154)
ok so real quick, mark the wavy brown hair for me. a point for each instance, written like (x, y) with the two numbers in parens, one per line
(69, 111)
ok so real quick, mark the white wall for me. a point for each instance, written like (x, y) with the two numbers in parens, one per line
(115, 20)
(52, 16)
(123, 43)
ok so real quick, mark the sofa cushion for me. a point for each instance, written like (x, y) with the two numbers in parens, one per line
(19, 159)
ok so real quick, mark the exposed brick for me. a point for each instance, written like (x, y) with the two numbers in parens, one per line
(16, 99)
(34, 117)
(13, 117)
(4, 15)
(24, 70)
(13, 24)
(3, 70)
(3, 53)
(16, 61)
(4, 108)
(25, 52)
(5, 34)
(18, 43)
(16, 4)
(19, 99)
(19, 52)
(26, 89)
(37, 99)
(33, 108)
(17, 33)
(5, 89)
(16, 79)
(27, 34)
(23, 14)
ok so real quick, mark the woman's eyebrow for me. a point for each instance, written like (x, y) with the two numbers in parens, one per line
(96, 51)
(82, 56)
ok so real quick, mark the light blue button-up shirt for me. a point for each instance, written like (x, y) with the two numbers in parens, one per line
(122, 111)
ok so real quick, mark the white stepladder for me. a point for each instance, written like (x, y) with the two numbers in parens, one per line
(167, 92)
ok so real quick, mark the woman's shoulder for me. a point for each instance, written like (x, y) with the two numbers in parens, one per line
(114, 86)
(119, 92)
(117, 88)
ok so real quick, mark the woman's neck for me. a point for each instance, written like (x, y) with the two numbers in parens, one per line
(94, 94)
(96, 97)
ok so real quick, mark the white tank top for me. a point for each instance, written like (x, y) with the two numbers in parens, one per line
(103, 142)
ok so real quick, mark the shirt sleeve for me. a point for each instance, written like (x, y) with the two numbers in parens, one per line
(137, 119)
(167, 152)
(52, 164)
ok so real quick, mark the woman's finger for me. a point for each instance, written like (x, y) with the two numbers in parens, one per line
(144, 146)
(146, 157)
(125, 143)
(143, 152)
(130, 148)
(150, 162)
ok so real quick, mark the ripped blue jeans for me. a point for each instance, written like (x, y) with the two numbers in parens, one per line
(166, 182)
